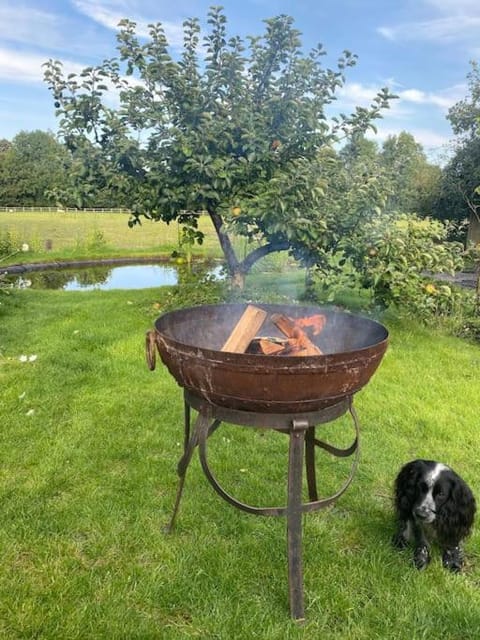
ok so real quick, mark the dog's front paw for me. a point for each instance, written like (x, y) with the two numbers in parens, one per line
(421, 557)
(452, 559)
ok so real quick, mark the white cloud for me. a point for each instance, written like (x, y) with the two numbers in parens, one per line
(355, 93)
(453, 20)
(19, 23)
(444, 30)
(27, 67)
(387, 32)
(20, 67)
(414, 111)
(35, 29)
(433, 143)
(108, 13)
(443, 100)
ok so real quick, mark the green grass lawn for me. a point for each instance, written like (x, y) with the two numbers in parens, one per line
(90, 441)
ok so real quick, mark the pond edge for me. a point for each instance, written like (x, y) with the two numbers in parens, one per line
(72, 264)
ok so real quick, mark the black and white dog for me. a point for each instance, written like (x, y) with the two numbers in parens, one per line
(430, 498)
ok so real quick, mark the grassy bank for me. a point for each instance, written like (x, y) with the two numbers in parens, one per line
(90, 441)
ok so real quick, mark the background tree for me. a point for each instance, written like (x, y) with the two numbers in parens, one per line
(459, 197)
(387, 252)
(464, 116)
(31, 167)
(5, 145)
(414, 180)
(230, 129)
(361, 154)
(355, 194)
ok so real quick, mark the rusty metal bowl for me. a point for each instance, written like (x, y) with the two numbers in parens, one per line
(189, 342)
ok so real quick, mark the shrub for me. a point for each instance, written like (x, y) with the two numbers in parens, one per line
(392, 261)
(8, 244)
(96, 240)
(397, 258)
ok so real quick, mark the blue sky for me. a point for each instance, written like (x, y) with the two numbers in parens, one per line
(419, 48)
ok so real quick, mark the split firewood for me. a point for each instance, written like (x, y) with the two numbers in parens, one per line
(245, 330)
(269, 347)
(302, 342)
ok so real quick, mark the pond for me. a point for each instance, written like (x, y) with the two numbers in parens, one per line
(132, 276)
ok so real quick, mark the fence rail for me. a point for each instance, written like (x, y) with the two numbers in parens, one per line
(66, 209)
(85, 210)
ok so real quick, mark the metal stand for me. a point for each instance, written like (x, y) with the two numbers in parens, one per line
(301, 430)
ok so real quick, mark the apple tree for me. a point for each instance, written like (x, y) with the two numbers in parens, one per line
(242, 129)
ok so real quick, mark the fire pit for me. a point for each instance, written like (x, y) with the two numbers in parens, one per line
(290, 394)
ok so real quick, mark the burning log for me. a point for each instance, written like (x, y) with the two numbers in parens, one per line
(298, 342)
(267, 346)
(245, 330)
(270, 347)
(317, 322)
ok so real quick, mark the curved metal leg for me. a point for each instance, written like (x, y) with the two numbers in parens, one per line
(354, 448)
(312, 504)
(202, 447)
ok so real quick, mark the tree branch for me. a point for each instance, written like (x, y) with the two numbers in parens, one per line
(473, 207)
(261, 252)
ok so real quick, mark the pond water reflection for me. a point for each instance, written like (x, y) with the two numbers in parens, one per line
(137, 276)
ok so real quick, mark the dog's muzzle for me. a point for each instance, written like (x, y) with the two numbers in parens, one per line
(425, 514)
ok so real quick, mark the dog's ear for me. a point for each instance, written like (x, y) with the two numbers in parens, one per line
(406, 487)
(455, 516)
(463, 497)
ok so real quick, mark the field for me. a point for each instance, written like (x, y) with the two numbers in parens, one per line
(79, 234)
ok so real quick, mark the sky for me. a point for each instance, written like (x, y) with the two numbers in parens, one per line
(420, 49)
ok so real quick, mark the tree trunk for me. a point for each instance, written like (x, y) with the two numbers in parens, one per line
(225, 242)
(238, 269)
(477, 289)
(473, 234)
(238, 280)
